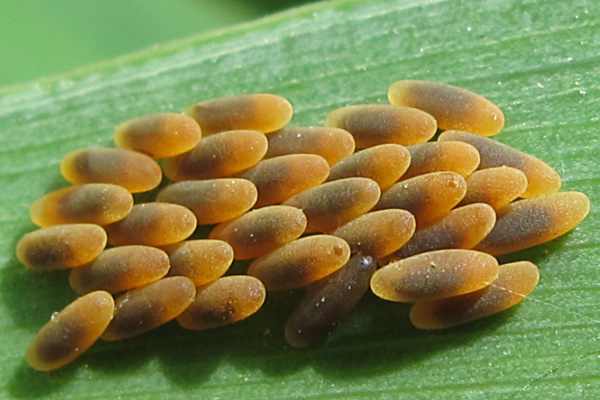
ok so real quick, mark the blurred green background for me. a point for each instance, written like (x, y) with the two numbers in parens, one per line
(47, 37)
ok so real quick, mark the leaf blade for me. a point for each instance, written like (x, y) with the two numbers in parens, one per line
(534, 58)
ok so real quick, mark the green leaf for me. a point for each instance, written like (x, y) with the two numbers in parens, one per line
(539, 60)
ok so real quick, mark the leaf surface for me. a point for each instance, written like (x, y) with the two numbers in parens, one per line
(539, 60)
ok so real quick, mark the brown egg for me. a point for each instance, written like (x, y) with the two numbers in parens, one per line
(301, 262)
(332, 204)
(514, 283)
(134, 171)
(141, 310)
(374, 124)
(61, 246)
(434, 275)
(385, 164)
(528, 223)
(261, 112)
(218, 156)
(378, 233)
(497, 187)
(120, 269)
(458, 157)
(203, 261)
(328, 301)
(462, 228)
(428, 197)
(261, 231)
(92, 203)
(279, 178)
(214, 200)
(452, 107)
(153, 224)
(541, 178)
(70, 332)
(333, 144)
(159, 135)
(227, 300)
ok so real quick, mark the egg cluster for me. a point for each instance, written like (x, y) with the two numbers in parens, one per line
(312, 208)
